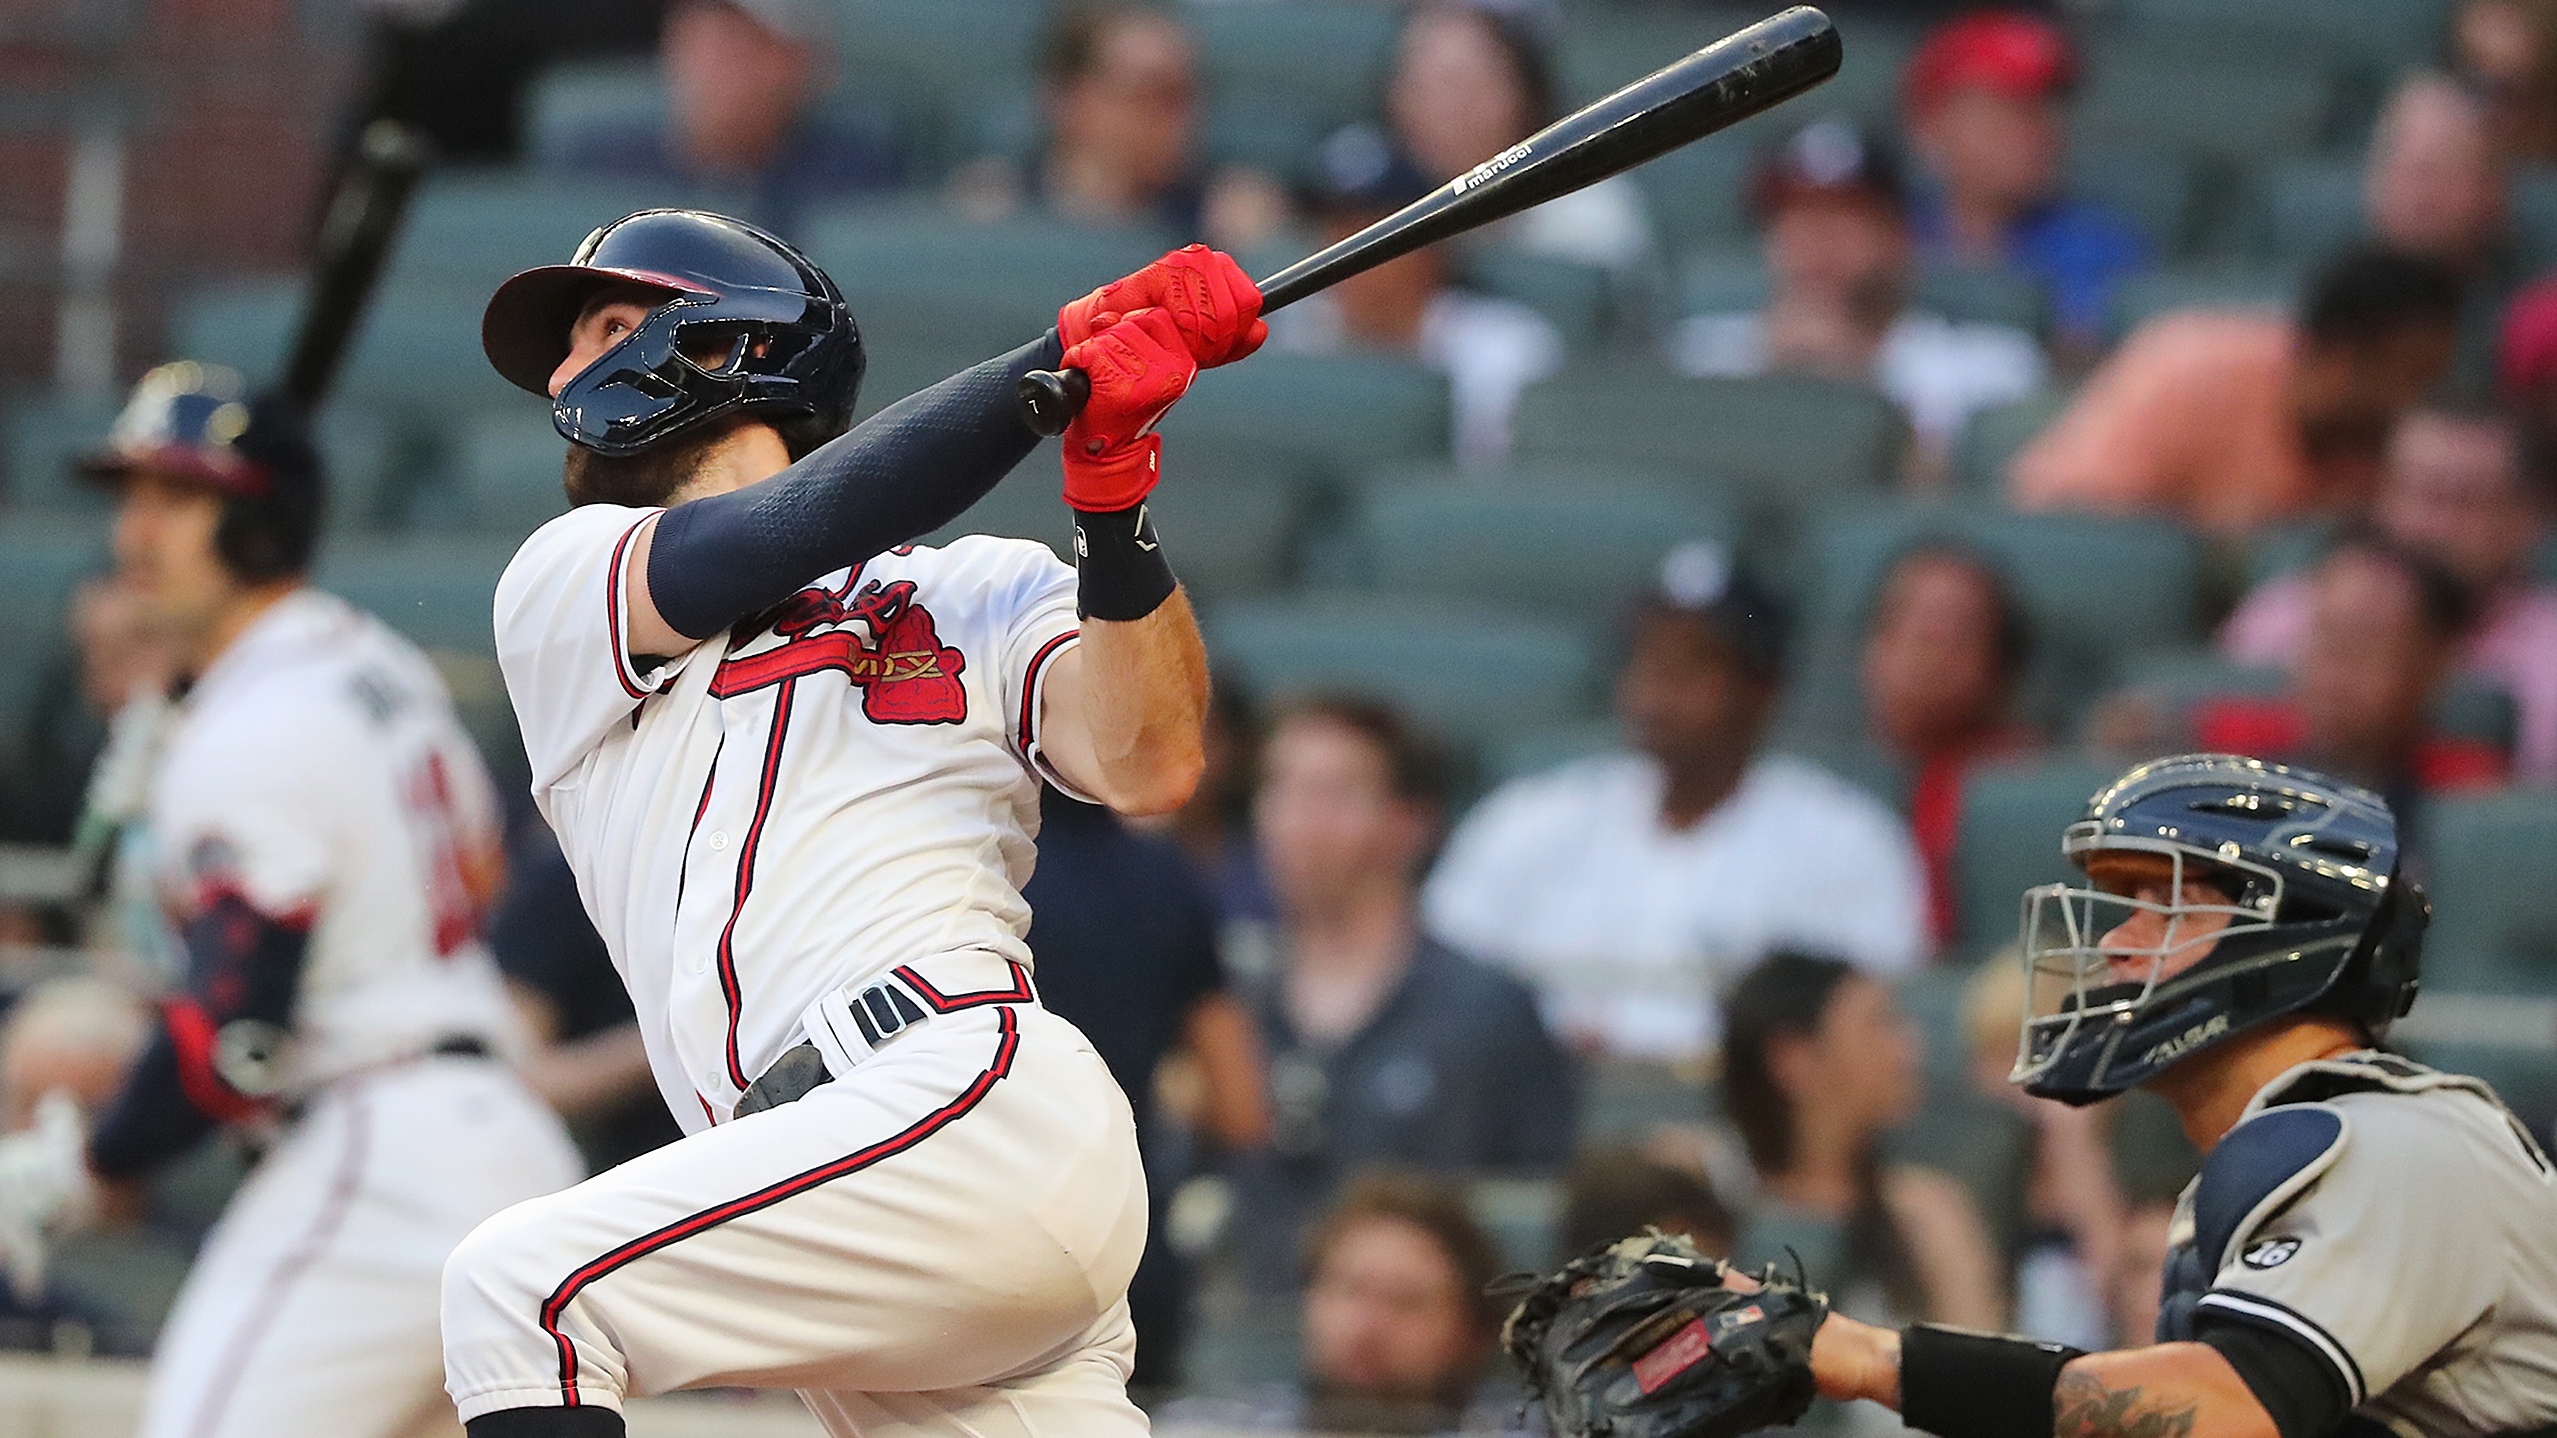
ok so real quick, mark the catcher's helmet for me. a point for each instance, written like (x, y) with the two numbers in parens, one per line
(198, 422)
(2314, 913)
(742, 324)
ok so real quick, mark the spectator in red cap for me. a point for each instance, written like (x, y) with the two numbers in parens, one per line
(1982, 104)
(1833, 221)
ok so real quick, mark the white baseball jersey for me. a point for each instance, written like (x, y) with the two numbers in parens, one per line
(761, 825)
(316, 770)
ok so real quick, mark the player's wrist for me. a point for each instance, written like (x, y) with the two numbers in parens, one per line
(1962, 1384)
(1121, 573)
(1851, 1360)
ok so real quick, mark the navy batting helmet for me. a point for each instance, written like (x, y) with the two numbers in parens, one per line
(2282, 892)
(741, 323)
(198, 422)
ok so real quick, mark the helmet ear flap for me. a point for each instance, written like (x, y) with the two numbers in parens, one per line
(2379, 982)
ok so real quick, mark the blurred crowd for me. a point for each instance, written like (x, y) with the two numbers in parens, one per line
(1392, 1029)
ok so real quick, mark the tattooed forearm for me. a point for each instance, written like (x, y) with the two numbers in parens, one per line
(2083, 1407)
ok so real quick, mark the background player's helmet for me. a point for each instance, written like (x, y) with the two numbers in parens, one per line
(743, 324)
(198, 422)
(2317, 916)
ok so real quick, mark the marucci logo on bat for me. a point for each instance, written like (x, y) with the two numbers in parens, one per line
(1493, 166)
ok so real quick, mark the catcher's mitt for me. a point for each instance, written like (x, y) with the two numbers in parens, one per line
(1644, 1339)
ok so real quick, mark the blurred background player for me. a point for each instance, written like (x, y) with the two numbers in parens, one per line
(323, 838)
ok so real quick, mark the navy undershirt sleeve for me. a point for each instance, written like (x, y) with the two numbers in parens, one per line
(899, 475)
(243, 966)
(2298, 1387)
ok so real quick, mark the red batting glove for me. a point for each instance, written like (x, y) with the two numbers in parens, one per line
(1138, 367)
(1216, 305)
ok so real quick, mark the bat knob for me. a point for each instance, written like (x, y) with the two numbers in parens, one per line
(1050, 399)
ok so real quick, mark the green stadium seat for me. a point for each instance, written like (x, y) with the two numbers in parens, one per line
(1994, 436)
(438, 590)
(2229, 108)
(41, 559)
(1230, 519)
(907, 254)
(2153, 187)
(1778, 443)
(1538, 538)
(467, 232)
(1985, 296)
(2009, 841)
(2311, 209)
(418, 350)
(46, 433)
(2141, 298)
(1549, 746)
(1578, 298)
(572, 101)
(1473, 671)
(2097, 590)
(2390, 31)
(1721, 279)
(507, 468)
(2490, 958)
(1322, 60)
(1698, 193)
(1341, 414)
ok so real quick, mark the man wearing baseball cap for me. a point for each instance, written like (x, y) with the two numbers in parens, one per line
(1981, 100)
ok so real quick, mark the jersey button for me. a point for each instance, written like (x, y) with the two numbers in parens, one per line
(719, 840)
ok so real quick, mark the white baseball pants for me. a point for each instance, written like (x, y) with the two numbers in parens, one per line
(938, 1242)
(312, 1308)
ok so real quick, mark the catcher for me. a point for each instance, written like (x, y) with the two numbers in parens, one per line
(2371, 1246)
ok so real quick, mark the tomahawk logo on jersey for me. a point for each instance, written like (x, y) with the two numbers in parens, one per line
(879, 728)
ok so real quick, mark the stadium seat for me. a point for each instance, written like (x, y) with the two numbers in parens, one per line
(2310, 210)
(570, 102)
(1697, 194)
(507, 470)
(2383, 30)
(2096, 589)
(438, 590)
(2490, 958)
(45, 433)
(2231, 109)
(2141, 298)
(1342, 414)
(1994, 436)
(1473, 671)
(467, 232)
(1576, 297)
(1721, 279)
(2154, 187)
(1322, 62)
(1984, 296)
(2009, 841)
(1543, 539)
(916, 255)
(1229, 520)
(41, 559)
(1533, 751)
(1779, 443)
(418, 350)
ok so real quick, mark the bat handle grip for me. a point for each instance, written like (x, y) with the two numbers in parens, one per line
(1051, 398)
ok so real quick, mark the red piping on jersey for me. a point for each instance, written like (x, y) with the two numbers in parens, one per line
(709, 1218)
(1030, 687)
(683, 871)
(746, 876)
(941, 1003)
(270, 1300)
(622, 669)
(192, 1034)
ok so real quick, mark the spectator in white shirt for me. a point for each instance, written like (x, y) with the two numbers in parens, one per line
(1631, 887)
(1833, 218)
(1491, 348)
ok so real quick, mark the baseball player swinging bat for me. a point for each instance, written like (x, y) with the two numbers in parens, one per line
(1726, 82)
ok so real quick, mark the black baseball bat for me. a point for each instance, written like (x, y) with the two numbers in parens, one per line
(1720, 85)
(363, 219)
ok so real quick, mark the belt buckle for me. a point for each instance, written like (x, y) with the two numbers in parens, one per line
(883, 1011)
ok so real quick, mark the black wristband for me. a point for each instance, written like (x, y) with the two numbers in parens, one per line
(1958, 1384)
(1119, 565)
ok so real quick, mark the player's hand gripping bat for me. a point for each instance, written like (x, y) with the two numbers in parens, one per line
(1718, 86)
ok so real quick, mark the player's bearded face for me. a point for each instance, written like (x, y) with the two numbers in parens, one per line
(648, 478)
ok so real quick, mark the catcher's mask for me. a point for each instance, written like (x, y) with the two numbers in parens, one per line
(2224, 892)
(740, 322)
